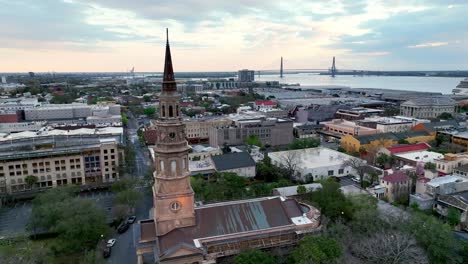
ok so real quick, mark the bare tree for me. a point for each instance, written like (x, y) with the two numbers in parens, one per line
(389, 247)
(358, 165)
(289, 162)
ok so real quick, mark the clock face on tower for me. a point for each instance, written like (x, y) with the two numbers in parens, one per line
(175, 206)
(172, 135)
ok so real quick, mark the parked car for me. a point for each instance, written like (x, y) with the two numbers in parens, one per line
(123, 227)
(106, 252)
(131, 219)
(111, 242)
(355, 179)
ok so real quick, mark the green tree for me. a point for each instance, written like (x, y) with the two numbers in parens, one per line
(304, 143)
(301, 189)
(445, 116)
(453, 216)
(81, 226)
(254, 256)
(253, 140)
(77, 221)
(31, 180)
(384, 160)
(316, 249)
(124, 119)
(430, 166)
(435, 237)
(129, 197)
(149, 111)
(146, 98)
(403, 141)
(331, 201)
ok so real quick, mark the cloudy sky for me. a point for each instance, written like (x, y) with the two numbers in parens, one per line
(217, 35)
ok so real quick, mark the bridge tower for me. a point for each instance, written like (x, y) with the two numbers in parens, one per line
(281, 68)
(333, 68)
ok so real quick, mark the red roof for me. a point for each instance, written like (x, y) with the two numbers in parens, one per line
(409, 148)
(398, 176)
(259, 102)
(423, 180)
(185, 104)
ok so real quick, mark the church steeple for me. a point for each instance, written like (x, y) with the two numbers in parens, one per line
(173, 195)
(169, 84)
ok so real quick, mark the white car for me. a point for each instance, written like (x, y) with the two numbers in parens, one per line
(111, 242)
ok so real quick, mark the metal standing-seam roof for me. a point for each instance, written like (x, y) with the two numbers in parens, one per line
(234, 218)
(366, 139)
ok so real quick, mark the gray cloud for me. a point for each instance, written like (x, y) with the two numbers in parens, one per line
(50, 21)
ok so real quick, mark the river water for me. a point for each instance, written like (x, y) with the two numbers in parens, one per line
(422, 84)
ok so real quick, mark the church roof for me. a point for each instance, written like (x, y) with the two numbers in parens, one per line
(236, 217)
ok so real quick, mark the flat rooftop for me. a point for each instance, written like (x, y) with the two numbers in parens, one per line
(346, 124)
(313, 157)
(424, 156)
(48, 132)
(436, 182)
(387, 120)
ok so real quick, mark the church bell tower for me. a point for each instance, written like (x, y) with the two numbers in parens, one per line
(173, 195)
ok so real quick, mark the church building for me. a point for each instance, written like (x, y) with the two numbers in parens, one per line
(179, 232)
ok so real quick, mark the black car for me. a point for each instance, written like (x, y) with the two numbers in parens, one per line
(123, 227)
(106, 252)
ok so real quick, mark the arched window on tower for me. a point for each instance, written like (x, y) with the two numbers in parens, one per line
(161, 165)
(171, 114)
(177, 110)
(173, 166)
(164, 111)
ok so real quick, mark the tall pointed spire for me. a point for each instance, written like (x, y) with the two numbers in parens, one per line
(168, 77)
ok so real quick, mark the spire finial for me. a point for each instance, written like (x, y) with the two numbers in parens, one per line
(167, 35)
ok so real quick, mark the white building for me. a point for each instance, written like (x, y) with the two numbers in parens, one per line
(200, 152)
(413, 158)
(387, 124)
(318, 162)
(20, 126)
(428, 107)
(292, 190)
(447, 185)
(70, 111)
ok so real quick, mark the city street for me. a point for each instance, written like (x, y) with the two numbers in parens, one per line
(142, 162)
(124, 249)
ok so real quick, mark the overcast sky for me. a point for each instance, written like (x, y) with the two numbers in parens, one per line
(218, 35)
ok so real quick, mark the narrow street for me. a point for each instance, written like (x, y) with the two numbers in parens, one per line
(142, 162)
(124, 249)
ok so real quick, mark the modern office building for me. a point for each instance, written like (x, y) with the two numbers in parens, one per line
(60, 162)
(70, 111)
(270, 131)
(197, 129)
(246, 75)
